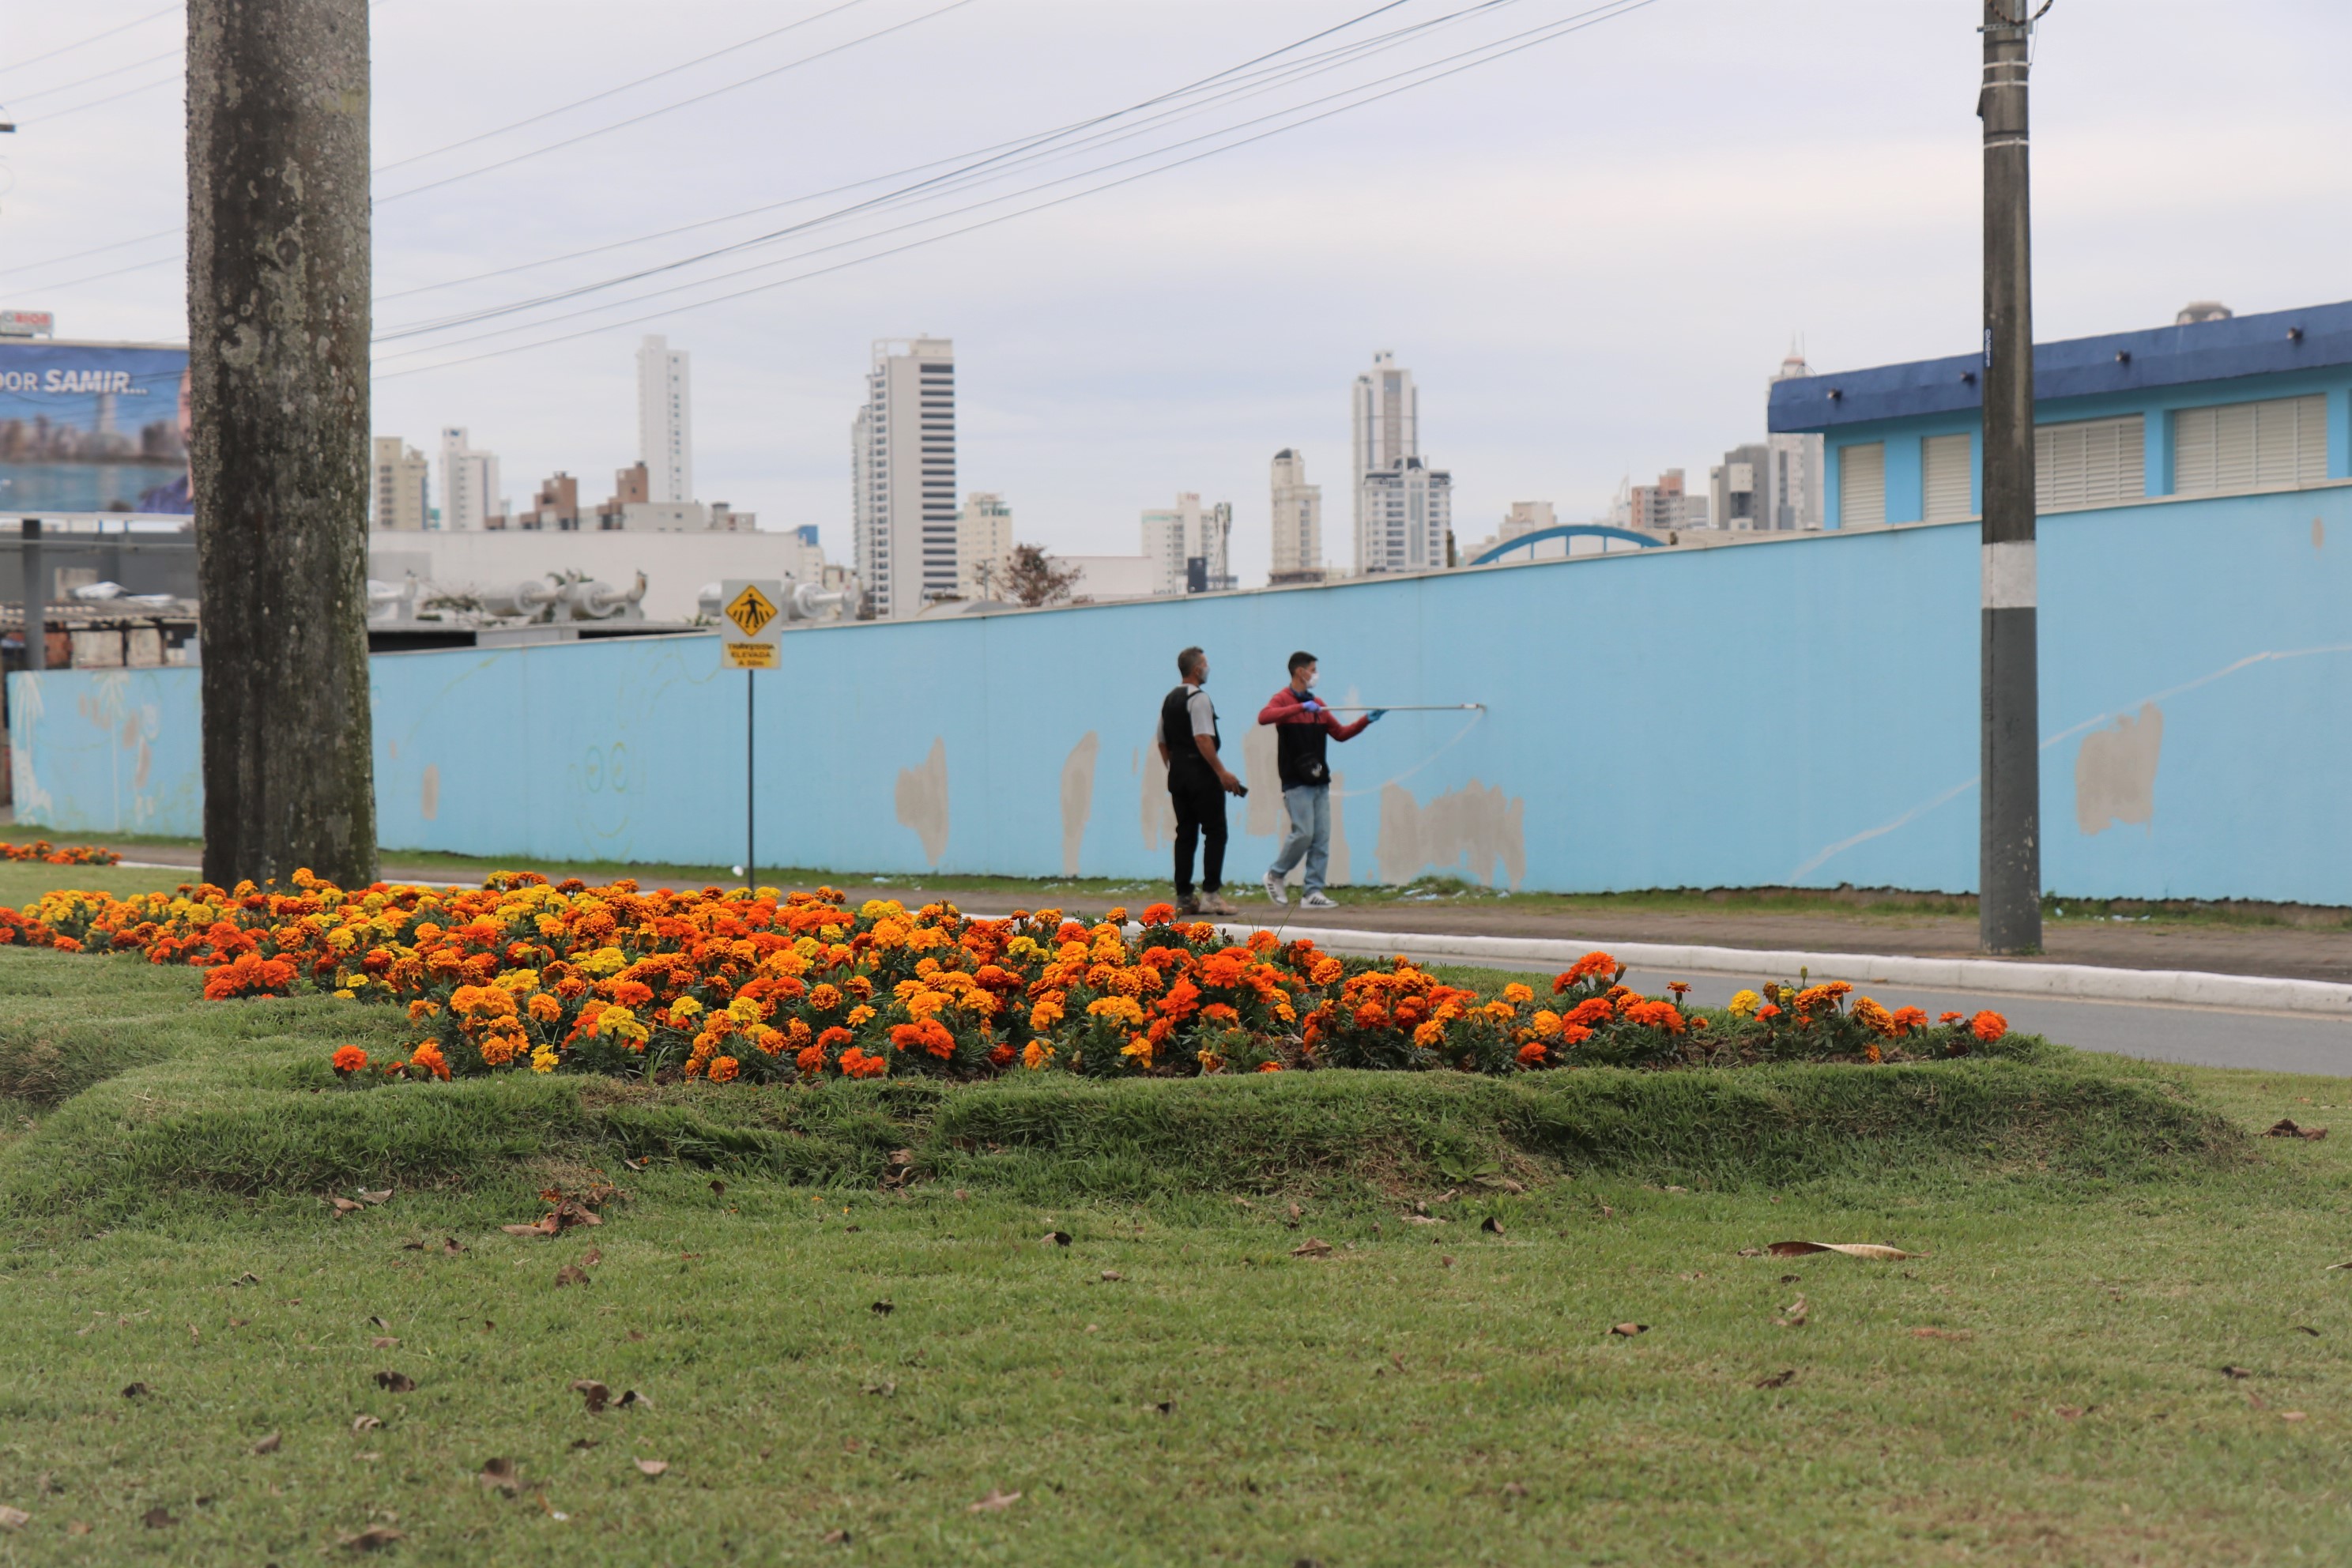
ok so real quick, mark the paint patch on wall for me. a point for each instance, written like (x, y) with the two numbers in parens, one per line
(2319, 533)
(1078, 798)
(923, 800)
(1474, 829)
(2114, 773)
(1158, 811)
(1262, 771)
(428, 793)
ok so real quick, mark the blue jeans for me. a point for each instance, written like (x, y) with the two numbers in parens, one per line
(1309, 806)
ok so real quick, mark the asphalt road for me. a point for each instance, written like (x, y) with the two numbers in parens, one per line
(2205, 1036)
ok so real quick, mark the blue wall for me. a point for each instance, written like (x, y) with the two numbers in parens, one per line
(1796, 709)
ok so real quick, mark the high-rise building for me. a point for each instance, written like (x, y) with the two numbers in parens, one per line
(1404, 519)
(1739, 486)
(1188, 544)
(902, 486)
(983, 546)
(1665, 507)
(1384, 426)
(1794, 464)
(469, 483)
(665, 420)
(402, 481)
(1298, 522)
(556, 507)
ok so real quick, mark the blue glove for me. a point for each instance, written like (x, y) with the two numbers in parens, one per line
(1310, 705)
(1375, 715)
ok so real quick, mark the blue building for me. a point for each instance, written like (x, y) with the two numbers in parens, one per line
(2239, 405)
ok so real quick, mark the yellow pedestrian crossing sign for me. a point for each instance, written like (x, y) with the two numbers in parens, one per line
(755, 621)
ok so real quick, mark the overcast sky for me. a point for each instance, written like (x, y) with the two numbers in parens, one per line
(1592, 253)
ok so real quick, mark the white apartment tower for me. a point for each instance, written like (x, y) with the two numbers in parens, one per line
(983, 546)
(903, 476)
(1186, 545)
(665, 420)
(469, 483)
(1387, 423)
(1404, 516)
(1298, 522)
(1793, 469)
(402, 481)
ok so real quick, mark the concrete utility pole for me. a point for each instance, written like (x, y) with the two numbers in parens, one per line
(2009, 847)
(278, 360)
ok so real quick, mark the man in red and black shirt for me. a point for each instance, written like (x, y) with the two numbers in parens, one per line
(1303, 725)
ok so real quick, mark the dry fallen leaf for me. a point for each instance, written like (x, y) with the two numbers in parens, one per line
(1421, 1219)
(591, 1258)
(499, 1475)
(246, 1280)
(395, 1382)
(1752, 1252)
(1627, 1331)
(882, 1309)
(343, 1206)
(13, 1517)
(1112, 1276)
(1943, 1334)
(595, 1393)
(839, 1537)
(380, 1323)
(382, 1197)
(77, 1527)
(383, 1342)
(268, 1445)
(449, 1245)
(1781, 1379)
(2285, 1128)
(1313, 1247)
(365, 1422)
(1491, 1225)
(1057, 1238)
(157, 1518)
(1793, 1316)
(2235, 1372)
(653, 1467)
(630, 1397)
(1444, 1261)
(371, 1539)
(996, 1501)
(2069, 1412)
(1513, 1489)
(1297, 1214)
(2290, 1416)
(570, 1274)
(1871, 1250)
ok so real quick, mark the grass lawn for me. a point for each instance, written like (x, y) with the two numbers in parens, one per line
(2044, 1385)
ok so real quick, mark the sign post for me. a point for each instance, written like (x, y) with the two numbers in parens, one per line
(753, 638)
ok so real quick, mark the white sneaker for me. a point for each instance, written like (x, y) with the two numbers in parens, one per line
(1315, 901)
(1274, 893)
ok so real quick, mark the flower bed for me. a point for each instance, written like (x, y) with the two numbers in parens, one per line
(59, 855)
(521, 975)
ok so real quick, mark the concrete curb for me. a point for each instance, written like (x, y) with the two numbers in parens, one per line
(2078, 981)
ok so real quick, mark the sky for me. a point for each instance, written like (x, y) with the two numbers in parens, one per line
(1592, 253)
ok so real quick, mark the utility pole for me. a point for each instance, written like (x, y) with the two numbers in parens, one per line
(2008, 842)
(277, 361)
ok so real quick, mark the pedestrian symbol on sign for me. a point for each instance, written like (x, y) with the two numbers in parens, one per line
(751, 610)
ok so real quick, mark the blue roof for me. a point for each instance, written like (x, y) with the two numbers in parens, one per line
(2313, 338)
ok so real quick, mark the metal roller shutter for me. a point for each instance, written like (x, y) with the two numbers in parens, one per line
(1861, 485)
(2234, 447)
(1949, 484)
(2089, 462)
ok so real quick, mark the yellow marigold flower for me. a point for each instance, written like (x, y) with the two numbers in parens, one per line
(542, 1059)
(1123, 1009)
(860, 1015)
(1545, 1023)
(685, 1008)
(346, 994)
(743, 1010)
(1514, 992)
(546, 1008)
(1138, 1048)
(606, 961)
(1744, 1003)
(343, 939)
(1036, 1054)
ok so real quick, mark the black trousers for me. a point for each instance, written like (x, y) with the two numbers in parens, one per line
(1199, 817)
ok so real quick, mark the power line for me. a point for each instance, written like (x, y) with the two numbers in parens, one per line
(669, 108)
(175, 79)
(613, 91)
(170, 54)
(94, 37)
(100, 249)
(1033, 147)
(1579, 23)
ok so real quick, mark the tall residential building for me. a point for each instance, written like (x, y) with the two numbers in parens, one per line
(556, 507)
(1795, 464)
(1740, 488)
(1384, 426)
(902, 484)
(469, 483)
(983, 546)
(1298, 522)
(1404, 519)
(1662, 508)
(400, 484)
(1187, 545)
(665, 420)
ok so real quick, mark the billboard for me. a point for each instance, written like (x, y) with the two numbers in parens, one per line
(93, 427)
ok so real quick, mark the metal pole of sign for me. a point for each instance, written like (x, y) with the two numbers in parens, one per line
(750, 794)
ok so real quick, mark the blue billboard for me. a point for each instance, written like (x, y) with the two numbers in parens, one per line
(89, 428)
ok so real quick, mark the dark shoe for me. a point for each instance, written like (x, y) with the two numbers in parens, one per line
(1186, 904)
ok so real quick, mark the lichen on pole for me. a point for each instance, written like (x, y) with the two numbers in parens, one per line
(278, 363)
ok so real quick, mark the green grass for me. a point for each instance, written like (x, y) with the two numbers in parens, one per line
(2100, 1237)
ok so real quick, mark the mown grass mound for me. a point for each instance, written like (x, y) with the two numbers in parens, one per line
(129, 1091)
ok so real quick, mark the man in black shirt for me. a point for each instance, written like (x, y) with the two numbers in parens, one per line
(1303, 725)
(1198, 782)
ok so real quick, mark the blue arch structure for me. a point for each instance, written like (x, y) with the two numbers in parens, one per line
(1567, 531)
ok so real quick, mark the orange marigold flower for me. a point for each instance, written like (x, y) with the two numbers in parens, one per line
(1327, 971)
(1591, 964)
(1159, 914)
(350, 1059)
(1269, 1067)
(924, 1034)
(722, 1069)
(428, 1057)
(836, 1035)
(547, 1009)
(1001, 1056)
(1988, 1025)
(1768, 1011)
(1531, 1055)
(1874, 1017)
(810, 1061)
(823, 997)
(856, 1063)
(1514, 992)
(1429, 1036)
(1908, 1019)
(1949, 1017)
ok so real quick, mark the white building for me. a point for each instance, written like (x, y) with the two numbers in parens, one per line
(1404, 516)
(676, 566)
(665, 420)
(1794, 467)
(903, 483)
(1386, 416)
(469, 483)
(983, 546)
(1188, 545)
(401, 479)
(1298, 522)
(1105, 577)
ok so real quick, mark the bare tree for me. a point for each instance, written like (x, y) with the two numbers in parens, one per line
(1031, 579)
(277, 361)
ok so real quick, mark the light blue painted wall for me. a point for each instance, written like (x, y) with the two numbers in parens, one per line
(1800, 709)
